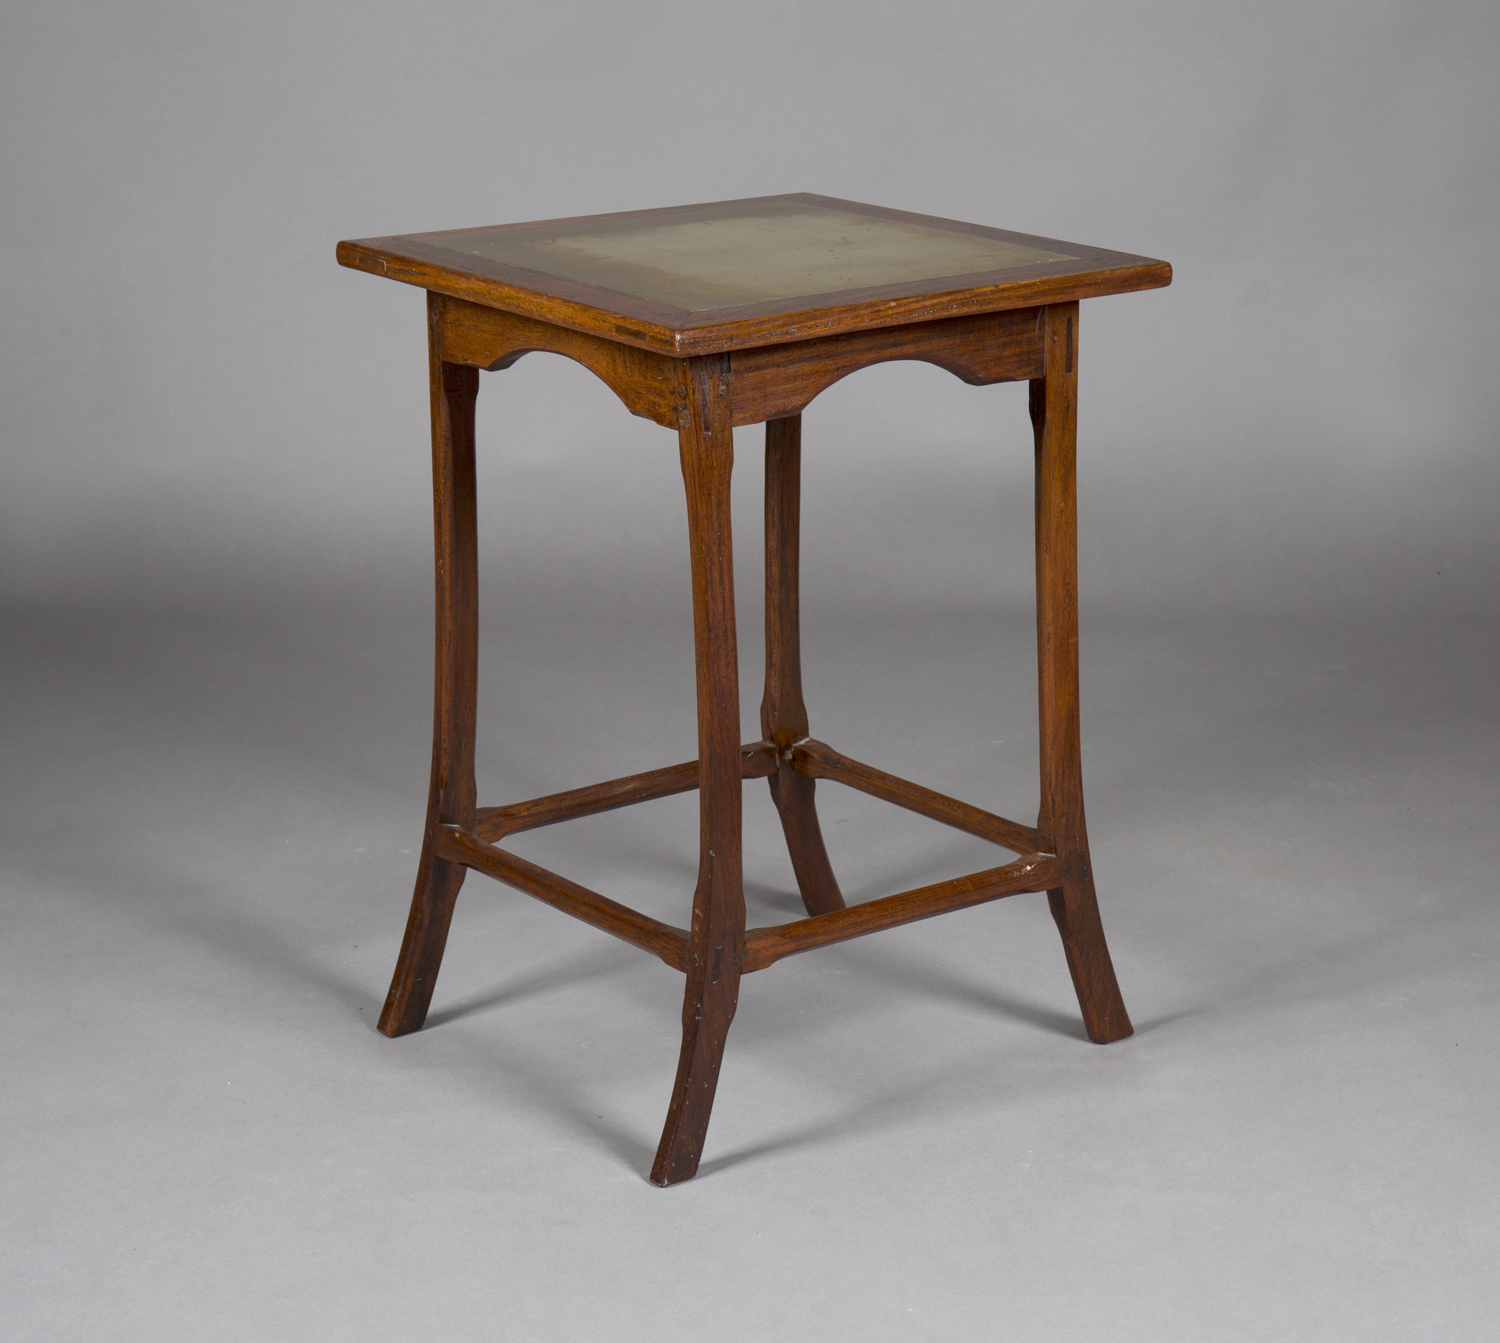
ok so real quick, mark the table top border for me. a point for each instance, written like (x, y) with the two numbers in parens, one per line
(415, 259)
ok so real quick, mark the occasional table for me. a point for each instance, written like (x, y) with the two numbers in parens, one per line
(702, 318)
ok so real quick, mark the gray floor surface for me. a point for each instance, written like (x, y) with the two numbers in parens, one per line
(208, 842)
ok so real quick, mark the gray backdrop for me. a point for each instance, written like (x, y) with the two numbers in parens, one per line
(215, 569)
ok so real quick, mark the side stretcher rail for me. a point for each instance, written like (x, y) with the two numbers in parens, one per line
(1035, 870)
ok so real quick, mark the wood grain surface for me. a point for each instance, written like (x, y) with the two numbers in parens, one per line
(765, 946)
(1054, 415)
(420, 259)
(780, 380)
(818, 760)
(783, 715)
(491, 339)
(660, 939)
(757, 761)
(717, 938)
(451, 794)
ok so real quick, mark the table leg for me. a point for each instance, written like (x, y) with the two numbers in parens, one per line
(1075, 908)
(783, 715)
(451, 795)
(717, 939)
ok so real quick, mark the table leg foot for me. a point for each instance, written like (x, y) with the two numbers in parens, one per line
(1075, 910)
(421, 956)
(707, 1011)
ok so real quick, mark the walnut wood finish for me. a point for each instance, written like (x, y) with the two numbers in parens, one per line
(702, 374)
(1054, 416)
(660, 939)
(491, 339)
(451, 795)
(783, 715)
(757, 761)
(765, 946)
(770, 382)
(420, 259)
(820, 761)
(717, 940)
(776, 381)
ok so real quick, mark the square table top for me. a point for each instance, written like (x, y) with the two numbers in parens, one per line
(698, 279)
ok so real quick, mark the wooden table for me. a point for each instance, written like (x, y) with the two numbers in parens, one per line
(702, 318)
